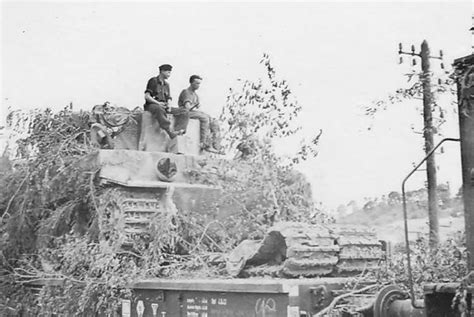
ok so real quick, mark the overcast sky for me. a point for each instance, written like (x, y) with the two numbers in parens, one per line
(336, 56)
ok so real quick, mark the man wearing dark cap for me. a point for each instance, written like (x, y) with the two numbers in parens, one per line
(157, 96)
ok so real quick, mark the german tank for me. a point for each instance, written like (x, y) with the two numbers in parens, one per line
(297, 269)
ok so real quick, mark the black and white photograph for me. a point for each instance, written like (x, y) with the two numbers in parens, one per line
(237, 158)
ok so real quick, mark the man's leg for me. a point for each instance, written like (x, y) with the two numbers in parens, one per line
(204, 120)
(159, 113)
(181, 119)
(216, 138)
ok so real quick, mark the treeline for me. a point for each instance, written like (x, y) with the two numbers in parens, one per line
(387, 208)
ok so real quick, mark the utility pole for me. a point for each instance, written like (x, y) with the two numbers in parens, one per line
(428, 132)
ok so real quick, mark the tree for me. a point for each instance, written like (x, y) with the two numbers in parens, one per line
(256, 114)
(261, 111)
(394, 198)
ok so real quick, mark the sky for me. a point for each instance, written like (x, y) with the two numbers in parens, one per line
(336, 56)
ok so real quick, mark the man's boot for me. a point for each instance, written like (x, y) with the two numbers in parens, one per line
(174, 134)
(208, 148)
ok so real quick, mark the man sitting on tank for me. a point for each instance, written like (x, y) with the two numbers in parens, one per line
(157, 98)
(188, 99)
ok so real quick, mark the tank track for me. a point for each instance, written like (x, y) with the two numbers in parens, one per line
(310, 250)
(126, 213)
(360, 250)
(300, 250)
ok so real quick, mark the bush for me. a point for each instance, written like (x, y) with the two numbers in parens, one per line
(447, 263)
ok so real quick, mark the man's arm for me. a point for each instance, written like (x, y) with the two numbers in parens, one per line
(185, 100)
(150, 87)
(188, 105)
(150, 99)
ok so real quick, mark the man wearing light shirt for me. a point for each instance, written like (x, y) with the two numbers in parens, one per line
(189, 100)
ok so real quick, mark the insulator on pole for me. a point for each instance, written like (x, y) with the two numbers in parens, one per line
(400, 47)
(413, 49)
(439, 81)
(414, 62)
(442, 65)
(441, 53)
(401, 60)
